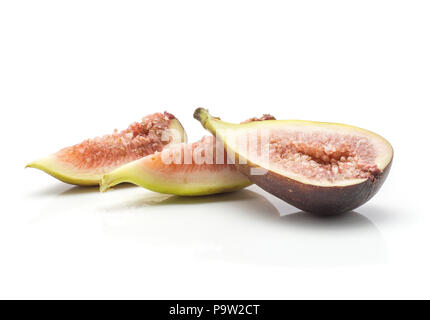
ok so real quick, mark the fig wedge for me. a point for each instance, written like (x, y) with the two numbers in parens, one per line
(85, 163)
(318, 167)
(161, 173)
(195, 169)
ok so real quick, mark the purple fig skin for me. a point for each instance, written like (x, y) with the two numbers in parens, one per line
(317, 199)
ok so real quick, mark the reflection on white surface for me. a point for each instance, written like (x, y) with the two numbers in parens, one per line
(240, 227)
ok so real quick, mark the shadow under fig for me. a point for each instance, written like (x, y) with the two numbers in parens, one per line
(304, 239)
(54, 189)
(64, 189)
(245, 198)
(245, 227)
(241, 227)
(93, 189)
(347, 221)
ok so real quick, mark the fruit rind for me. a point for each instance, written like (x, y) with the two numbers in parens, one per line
(62, 172)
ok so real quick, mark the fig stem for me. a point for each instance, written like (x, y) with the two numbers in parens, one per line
(202, 115)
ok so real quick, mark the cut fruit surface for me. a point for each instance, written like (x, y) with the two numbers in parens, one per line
(86, 162)
(318, 167)
(161, 172)
(199, 168)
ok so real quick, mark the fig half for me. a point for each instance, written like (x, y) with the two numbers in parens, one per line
(85, 163)
(318, 167)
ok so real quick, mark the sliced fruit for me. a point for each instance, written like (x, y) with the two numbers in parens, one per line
(324, 168)
(87, 162)
(161, 173)
(199, 168)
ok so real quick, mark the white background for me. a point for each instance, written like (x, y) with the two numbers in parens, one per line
(70, 70)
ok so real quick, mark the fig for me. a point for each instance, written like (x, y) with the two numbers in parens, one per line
(85, 163)
(159, 172)
(318, 167)
(199, 168)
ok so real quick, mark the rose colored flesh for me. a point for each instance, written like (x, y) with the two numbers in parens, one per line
(180, 158)
(204, 144)
(110, 151)
(323, 156)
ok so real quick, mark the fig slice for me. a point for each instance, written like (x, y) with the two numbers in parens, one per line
(318, 167)
(160, 172)
(199, 168)
(85, 163)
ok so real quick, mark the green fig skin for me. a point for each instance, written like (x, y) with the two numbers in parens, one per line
(317, 199)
